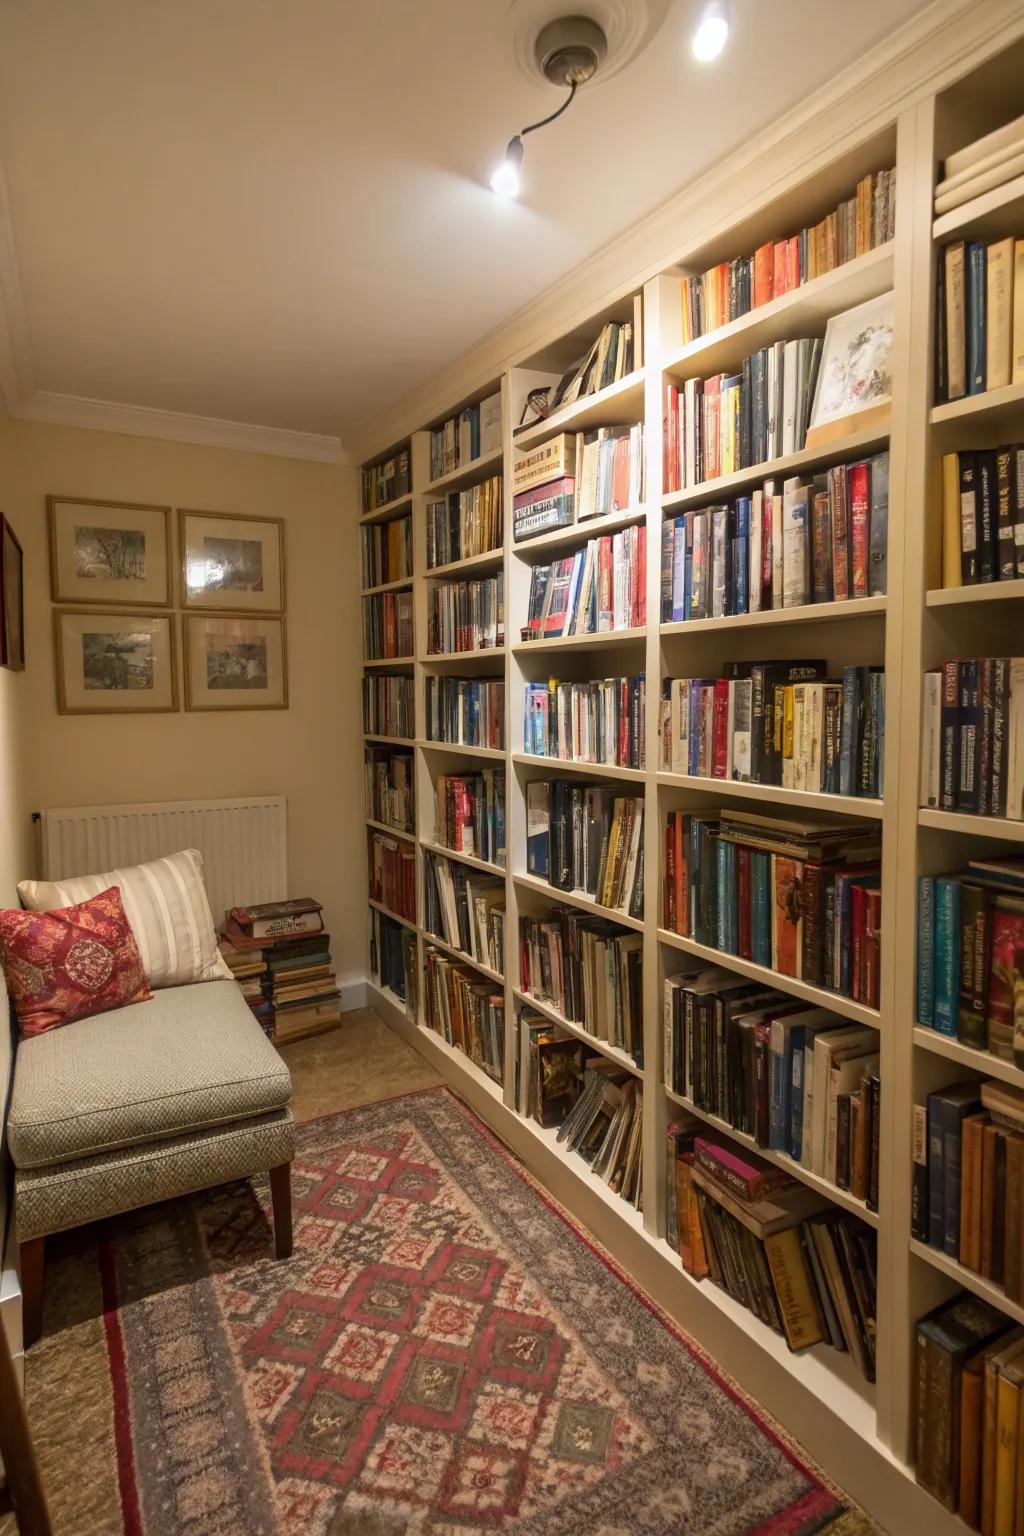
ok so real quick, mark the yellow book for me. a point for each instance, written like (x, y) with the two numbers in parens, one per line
(951, 520)
(999, 263)
(1007, 1429)
(797, 1308)
(1018, 312)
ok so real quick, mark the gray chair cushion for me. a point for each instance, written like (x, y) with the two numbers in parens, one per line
(191, 1057)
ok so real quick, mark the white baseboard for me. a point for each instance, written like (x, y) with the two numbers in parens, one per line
(353, 992)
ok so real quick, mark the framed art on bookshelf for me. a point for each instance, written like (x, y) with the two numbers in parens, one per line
(111, 553)
(232, 561)
(854, 386)
(235, 661)
(115, 663)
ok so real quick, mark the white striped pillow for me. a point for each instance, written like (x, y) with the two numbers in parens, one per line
(166, 904)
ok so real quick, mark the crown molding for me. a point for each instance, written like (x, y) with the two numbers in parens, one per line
(178, 427)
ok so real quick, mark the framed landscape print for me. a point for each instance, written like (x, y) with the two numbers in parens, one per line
(233, 661)
(109, 552)
(232, 562)
(115, 663)
(12, 599)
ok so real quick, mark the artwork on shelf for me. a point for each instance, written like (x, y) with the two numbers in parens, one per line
(854, 386)
(12, 599)
(232, 562)
(235, 661)
(115, 663)
(112, 553)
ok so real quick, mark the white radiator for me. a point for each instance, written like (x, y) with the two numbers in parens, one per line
(244, 843)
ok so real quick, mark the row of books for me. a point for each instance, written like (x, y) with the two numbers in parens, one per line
(469, 813)
(394, 959)
(596, 722)
(465, 523)
(466, 711)
(392, 869)
(465, 909)
(387, 626)
(733, 288)
(466, 436)
(385, 482)
(600, 588)
(587, 838)
(388, 777)
(799, 897)
(981, 166)
(804, 1269)
(466, 1011)
(389, 707)
(778, 722)
(590, 971)
(386, 550)
(572, 479)
(613, 353)
(970, 955)
(280, 956)
(983, 516)
(596, 1104)
(465, 616)
(969, 1428)
(732, 421)
(972, 737)
(979, 317)
(795, 1078)
(818, 540)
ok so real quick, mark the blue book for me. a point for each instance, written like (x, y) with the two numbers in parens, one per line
(975, 274)
(926, 951)
(760, 907)
(741, 556)
(946, 1113)
(946, 955)
(538, 810)
(732, 935)
(688, 567)
(679, 570)
(721, 890)
(849, 732)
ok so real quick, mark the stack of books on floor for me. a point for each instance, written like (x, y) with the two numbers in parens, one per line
(787, 544)
(969, 1427)
(387, 626)
(465, 909)
(466, 437)
(393, 959)
(466, 711)
(983, 516)
(385, 482)
(466, 1011)
(778, 722)
(801, 897)
(300, 993)
(972, 737)
(469, 813)
(970, 956)
(796, 1079)
(388, 705)
(780, 1249)
(572, 479)
(590, 971)
(465, 523)
(979, 318)
(596, 1104)
(247, 963)
(596, 722)
(733, 288)
(600, 588)
(587, 838)
(465, 616)
(981, 166)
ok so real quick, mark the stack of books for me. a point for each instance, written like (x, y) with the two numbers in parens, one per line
(587, 838)
(979, 318)
(469, 813)
(981, 166)
(300, 989)
(466, 1011)
(970, 955)
(596, 722)
(465, 437)
(465, 909)
(983, 516)
(600, 588)
(590, 971)
(571, 479)
(972, 737)
(465, 616)
(969, 1429)
(465, 523)
(394, 959)
(614, 353)
(388, 778)
(389, 705)
(387, 481)
(778, 722)
(387, 626)
(733, 288)
(796, 1079)
(793, 542)
(393, 875)
(466, 711)
(801, 897)
(544, 487)
(248, 965)
(386, 551)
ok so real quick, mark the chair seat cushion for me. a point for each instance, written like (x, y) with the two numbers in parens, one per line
(191, 1057)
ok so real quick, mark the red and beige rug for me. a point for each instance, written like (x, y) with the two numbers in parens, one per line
(445, 1353)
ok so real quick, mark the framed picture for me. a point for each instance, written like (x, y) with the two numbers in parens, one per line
(115, 663)
(111, 553)
(855, 376)
(232, 562)
(12, 599)
(234, 661)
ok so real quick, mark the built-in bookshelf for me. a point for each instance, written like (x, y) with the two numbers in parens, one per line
(539, 706)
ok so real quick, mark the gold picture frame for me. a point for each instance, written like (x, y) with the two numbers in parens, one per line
(105, 666)
(241, 670)
(91, 563)
(245, 574)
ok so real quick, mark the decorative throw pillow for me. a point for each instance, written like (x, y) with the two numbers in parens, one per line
(68, 964)
(167, 906)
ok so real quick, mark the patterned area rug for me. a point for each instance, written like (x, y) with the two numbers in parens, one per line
(445, 1353)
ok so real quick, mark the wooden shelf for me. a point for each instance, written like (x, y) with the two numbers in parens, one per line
(997, 410)
(997, 827)
(495, 754)
(489, 559)
(995, 213)
(981, 592)
(382, 826)
(621, 402)
(389, 510)
(845, 805)
(387, 586)
(577, 899)
(466, 474)
(378, 906)
(459, 954)
(967, 1278)
(842, 449)
(605, 1047)
(598, 770)
(429, 846)
(389, 741)
(967, 1055)
(579, 533)
(582, 642)
(809, 613)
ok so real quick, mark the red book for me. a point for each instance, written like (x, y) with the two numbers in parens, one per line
(795, 275)
(747, 1175)
(859, 498)
(670, 467)
(744, 938)
(605, 589)
(872, 943)
(763, 273)
(858, 928)
(787, 918)
(720, 730)
(780, 273)
(620, 475)
(840, 516)
(682, 877)
(641, 567)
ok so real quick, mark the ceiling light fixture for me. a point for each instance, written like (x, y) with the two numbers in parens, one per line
(712, 31)
(568, 52)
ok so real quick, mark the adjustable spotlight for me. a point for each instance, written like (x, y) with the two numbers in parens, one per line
(712, 31)
(505, 176)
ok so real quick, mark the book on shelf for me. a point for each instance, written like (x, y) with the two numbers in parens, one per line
(465, 1010)
(383, 483)
(615, 352)
(731, 289)
(284, 972)
(465, 523)
(278, 919)
(587, 838)
(801, 540)
(801, 897)
(386, 550)
(602, 473)
(600, 588)
(465, 909)
(469, 813)
(392, 868)
(466, 436)
(972, 737)
(589, 722)
(393, 959)
(778, 722)
(466, 711)
(683, 1231)
(465, 616)
(983, 516)
(979, 300)
(981, 166)
(387, 626)
(388, 778)
(388, 705)
(590, 971)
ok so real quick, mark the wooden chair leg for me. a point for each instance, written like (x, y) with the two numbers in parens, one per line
(19, 1459)
(31, 1255)
(281, 1195)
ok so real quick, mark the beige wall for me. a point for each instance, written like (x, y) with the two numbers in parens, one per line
(310, 752)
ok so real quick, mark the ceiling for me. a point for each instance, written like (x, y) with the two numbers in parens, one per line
(275, 211)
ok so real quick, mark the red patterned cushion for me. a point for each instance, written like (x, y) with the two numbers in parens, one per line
(65, 965)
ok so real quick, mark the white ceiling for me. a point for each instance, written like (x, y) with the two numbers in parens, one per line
(276, 212)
